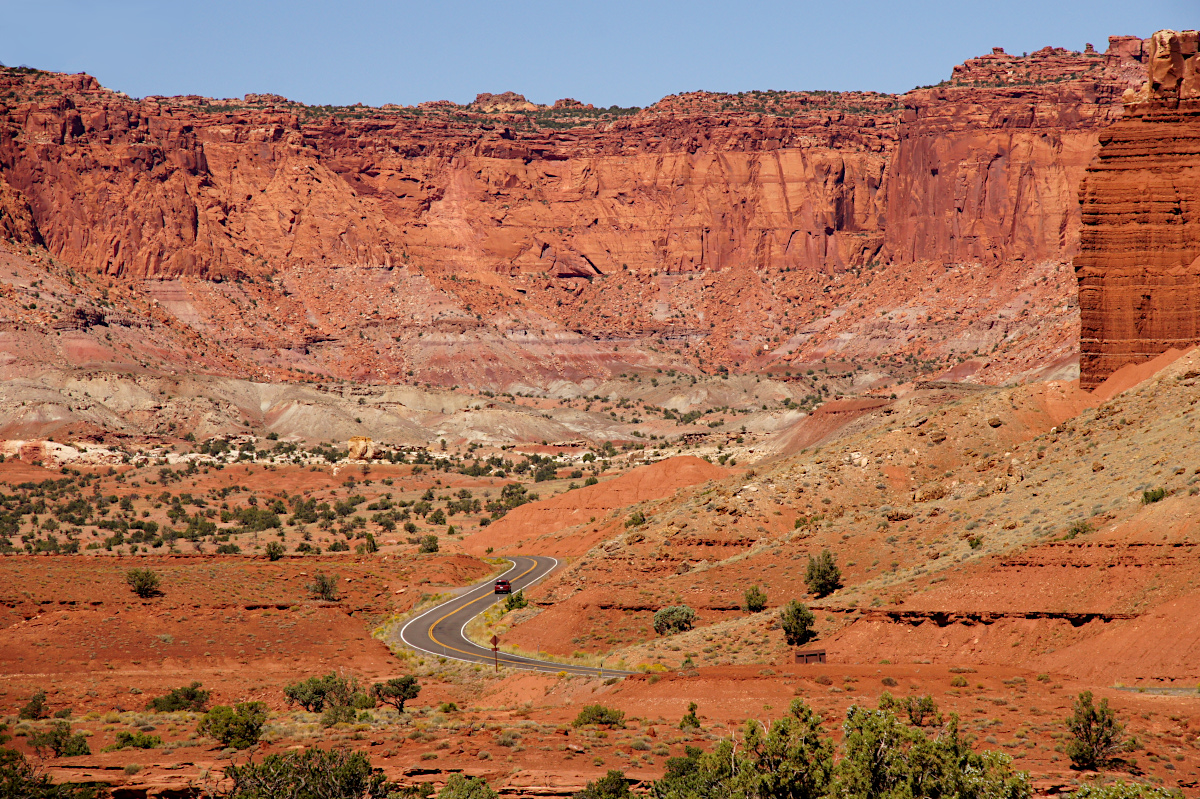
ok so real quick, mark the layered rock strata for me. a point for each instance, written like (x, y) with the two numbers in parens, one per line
(723, 227)
(1139, 264)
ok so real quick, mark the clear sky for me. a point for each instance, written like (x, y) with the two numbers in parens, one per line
(624, 52)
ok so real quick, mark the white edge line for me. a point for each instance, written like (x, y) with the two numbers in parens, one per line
(531, 665)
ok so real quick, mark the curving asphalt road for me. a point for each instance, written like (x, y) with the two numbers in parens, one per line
(439, 631)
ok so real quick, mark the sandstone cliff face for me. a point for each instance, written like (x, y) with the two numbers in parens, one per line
(1139, 265)
(986, 164)
(727, 229)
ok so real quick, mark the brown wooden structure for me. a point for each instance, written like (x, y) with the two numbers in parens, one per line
(810, 655)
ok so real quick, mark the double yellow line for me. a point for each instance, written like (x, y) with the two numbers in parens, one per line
(507, 659)
(462, 607)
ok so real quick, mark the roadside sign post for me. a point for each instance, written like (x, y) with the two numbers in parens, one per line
(496, 651)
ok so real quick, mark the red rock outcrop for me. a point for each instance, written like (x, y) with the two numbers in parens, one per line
(374, 242)
(1139, 265)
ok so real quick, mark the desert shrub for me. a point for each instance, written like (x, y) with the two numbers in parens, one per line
(636, 519)
(958, 681)
(823, 577)
(674, 619)
(755, 600)
(797, 622)
(1080, 528)
(338, 714)
(612, 785)
(134, 740)
(317, 693)
(275, 550)
(189, 697)
(228, 549)
(461, 787)
(428, 544)
(397, 691)
(890, 682)
(921, 710)
(515, 601)
(791, 759)
(601, 716)
(448, 707)
(142, 582)
(332, 774)
(1153, 495)
(239, 726)
(884, 757)
(690, 721)
(60, 740)
(1096, 735)
(324, 586)
(35, 708)
(20, 779)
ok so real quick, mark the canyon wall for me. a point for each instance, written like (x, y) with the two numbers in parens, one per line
(723, 228)
(1139, 265)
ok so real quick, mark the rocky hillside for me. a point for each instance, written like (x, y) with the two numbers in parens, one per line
(1139, 269)
(760, 229)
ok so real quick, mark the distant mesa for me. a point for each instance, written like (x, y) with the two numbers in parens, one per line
(505, 102)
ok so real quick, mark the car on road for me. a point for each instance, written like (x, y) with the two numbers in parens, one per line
(503, 587)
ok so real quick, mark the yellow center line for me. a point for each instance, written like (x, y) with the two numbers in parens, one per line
(469, 604)
(565, 666)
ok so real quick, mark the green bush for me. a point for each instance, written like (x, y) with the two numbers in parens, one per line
(397, 691)
(428, 544)
(338, 714)
(143, 582)
(515, 601)
(324, 586)
(275, 550)
(189, 697)
(612, 785)
(690, 721)
(1153, 495)
(239, 726)
(823, 577)
(674, 619)
(1096, 735)
(636, 519)
(332, 774)
(35, 708)
(755, 600)
(461, 787)
(59, 740)
(797, 622)
(331, 691)
(134, 740)
(601, 716)
(20, 779)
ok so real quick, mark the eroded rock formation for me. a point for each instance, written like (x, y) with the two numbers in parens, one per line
(1139, 265)
(568, 241)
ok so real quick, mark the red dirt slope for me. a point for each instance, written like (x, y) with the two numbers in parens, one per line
(538, 520)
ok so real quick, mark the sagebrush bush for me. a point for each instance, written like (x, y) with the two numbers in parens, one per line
(143, 582)
(674, 619)
(601, 716)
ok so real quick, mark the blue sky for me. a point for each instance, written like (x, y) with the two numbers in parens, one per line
(619, 52)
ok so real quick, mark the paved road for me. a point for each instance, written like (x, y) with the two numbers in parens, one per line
(439, 631)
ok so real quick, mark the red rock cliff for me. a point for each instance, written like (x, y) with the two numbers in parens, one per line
(728, 227)
(1139, 264)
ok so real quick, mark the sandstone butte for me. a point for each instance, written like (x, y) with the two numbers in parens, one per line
(375, 243)
(1139, 262)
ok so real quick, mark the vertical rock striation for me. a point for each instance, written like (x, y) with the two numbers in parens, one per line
(1139, 262)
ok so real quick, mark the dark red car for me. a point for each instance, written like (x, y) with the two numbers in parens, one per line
(503, 587)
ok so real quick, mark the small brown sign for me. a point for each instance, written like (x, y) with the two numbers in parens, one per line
(495, 640)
